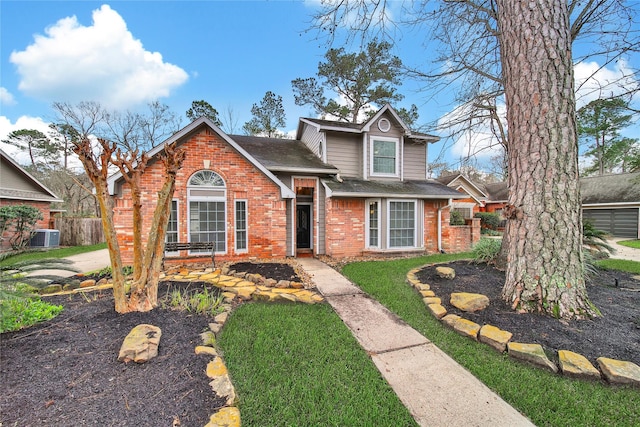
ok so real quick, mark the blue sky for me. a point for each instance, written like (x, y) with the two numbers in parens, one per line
(126, 53)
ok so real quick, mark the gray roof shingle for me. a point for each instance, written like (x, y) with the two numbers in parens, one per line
(426, 189)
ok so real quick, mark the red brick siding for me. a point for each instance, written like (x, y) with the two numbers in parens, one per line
(345, 227)
(43, 207)
(266, 210)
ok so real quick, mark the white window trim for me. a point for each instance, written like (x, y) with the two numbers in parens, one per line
(415, 224)
(371, 156)
(235, 225)
(175, 253)
(222, 198)
(367, 224)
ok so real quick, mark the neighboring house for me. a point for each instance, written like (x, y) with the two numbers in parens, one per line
(612, 202)
(18, 187)
(475, 194)
(338, 189)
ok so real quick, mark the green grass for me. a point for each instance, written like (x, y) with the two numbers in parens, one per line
(632, 267)
(298, 365)
(19, 313)
(547, 399)
(53, 253)
(635, 244)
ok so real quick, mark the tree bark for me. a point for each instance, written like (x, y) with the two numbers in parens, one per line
(544, 227)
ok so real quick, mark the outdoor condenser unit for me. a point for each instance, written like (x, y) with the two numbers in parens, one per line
(45, 239)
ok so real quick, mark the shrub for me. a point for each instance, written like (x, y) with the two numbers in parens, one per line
(488, 220)
(486, 250)
(456, 218)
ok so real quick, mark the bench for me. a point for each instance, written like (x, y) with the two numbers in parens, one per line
(192, 246)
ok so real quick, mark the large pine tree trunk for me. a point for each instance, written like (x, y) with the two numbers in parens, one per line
(544, 228)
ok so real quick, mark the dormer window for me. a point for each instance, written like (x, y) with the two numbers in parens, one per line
(384, 157)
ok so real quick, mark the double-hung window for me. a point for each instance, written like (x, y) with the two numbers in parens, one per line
(385, 157)
(241, 225)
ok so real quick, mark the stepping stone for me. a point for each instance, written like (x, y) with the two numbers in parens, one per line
(619, 372)
(532, 353)
(141, 344)
(495, 337)
(577, 366)
(469, 302)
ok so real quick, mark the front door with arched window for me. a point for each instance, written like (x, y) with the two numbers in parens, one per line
(207, 209)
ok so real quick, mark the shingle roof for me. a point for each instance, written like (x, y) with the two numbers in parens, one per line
(424, 189)
(620, 188)
(496, 191)
(283, 155)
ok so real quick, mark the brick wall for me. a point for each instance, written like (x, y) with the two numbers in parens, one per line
(266, 211)
(345, 227)
(461, 238)
(43, 207)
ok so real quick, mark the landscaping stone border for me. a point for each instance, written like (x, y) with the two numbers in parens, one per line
(235, 286)
(571, 364)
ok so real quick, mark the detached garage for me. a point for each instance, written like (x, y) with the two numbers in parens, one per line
(612, 202)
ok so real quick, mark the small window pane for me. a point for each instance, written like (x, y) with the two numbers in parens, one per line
(241, 225)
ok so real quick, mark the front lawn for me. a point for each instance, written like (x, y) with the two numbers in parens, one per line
(298, 365)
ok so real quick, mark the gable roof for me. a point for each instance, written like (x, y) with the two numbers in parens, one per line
(460, 181)
(183, 135)
(322, 125)
(17, 184)
(284, 155)
(611, 189)
(497, 191)
(420, 189)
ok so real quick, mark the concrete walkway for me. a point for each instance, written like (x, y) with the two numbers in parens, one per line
(436, 390)
(624, 252)
(84, 263)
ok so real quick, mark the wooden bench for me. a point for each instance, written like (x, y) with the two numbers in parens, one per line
(192, 246)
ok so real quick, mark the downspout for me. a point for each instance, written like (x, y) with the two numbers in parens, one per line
(448, 205)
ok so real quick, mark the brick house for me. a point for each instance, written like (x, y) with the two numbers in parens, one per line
(18, 187)
(338, 189)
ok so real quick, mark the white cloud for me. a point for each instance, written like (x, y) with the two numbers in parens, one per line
(6, 98)
(594, 81)
(102, 62)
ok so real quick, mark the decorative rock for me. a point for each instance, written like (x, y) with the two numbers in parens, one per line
(437, 310)
(297, 285)
(446, 272)
(422, 287)
(469, 302)
(533, 353)
(576, 365)
(225, 417)
(449, 319)
(215, 327)
(466, 327)
(283, 284)
(141, 344)
(222, 386)
(432, 300)
(619, 372)
(428, 293)
(208, 337)
(209, 351)
(50, 289)
(222, 317)
(215, 368)
(495, 337)
(102, 281)
(272, 283)
(87, 283)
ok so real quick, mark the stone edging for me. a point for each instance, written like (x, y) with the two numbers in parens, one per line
(571, 364)
(235, 286)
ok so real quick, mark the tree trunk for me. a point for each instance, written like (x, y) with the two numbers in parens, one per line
(544, 227)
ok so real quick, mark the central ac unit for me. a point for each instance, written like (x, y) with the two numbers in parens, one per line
(45, 239)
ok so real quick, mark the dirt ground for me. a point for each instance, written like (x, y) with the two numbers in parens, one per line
(615, 335)
(64, 372)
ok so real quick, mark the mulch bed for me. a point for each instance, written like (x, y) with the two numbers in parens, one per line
(615, 335)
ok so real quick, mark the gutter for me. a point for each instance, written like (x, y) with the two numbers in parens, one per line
(448, 205)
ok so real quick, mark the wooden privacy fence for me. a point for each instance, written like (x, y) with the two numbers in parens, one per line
(79, 231)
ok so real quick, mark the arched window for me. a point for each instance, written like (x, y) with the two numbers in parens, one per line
(207, 199)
